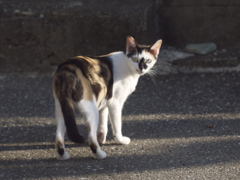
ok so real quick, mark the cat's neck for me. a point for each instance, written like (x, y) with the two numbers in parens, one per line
(122, 65)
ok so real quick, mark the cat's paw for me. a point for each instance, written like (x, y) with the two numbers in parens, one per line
(65, 156)
(100, 154)
(124, 140)
(101, 138)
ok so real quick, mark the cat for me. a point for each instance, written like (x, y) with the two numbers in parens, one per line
(98, 87)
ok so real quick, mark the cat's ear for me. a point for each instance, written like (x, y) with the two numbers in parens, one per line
(131, 46)
(154, 49)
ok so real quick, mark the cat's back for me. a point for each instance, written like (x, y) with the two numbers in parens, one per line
(85, 76)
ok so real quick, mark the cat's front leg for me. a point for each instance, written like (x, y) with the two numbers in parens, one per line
(103, 125)
(115, 111)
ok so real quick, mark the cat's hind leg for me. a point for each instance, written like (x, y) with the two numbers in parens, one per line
(103, 125)
(90, 110)
(61, 153)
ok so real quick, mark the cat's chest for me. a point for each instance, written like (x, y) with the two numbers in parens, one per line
(124, 88)
(130, 88)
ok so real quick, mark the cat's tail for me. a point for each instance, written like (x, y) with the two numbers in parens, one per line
(70, 122)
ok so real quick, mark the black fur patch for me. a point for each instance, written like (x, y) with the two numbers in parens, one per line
(66, 68)
(96, 89)
(139, 49)
(131, 54)
(145, 66)
(60, 151)
(93, 148)
(77, 92)
(142, 65)
(69, 118)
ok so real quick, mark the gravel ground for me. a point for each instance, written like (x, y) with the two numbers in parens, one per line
(185, 126)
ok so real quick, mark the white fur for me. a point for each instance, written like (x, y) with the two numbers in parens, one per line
(125, 78)
(103, 126)
(89, 108)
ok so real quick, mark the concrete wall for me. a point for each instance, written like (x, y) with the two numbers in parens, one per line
(35, 34)
(198, 21)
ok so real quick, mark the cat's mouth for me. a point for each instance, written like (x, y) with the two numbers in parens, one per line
(139, 71)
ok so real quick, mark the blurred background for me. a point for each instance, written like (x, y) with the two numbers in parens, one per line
(36, 35)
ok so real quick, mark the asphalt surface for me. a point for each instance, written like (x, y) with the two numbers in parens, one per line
(186, 126)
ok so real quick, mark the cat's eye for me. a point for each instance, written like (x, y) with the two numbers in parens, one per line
(134, 59)
(148, 61)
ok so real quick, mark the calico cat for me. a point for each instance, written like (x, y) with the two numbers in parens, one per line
(98, 87)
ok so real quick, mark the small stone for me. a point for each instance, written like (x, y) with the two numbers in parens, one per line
(41, 16)
(201, 48)
(209, 126)
(16, 11)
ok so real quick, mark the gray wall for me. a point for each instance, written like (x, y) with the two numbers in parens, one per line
(198, 21)
(35, 34)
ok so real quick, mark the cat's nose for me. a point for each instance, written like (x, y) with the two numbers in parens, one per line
(144, 65)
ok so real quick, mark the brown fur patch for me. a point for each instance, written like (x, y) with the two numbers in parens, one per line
(87, 90)
(84, 78)
(59, 147)
(100, 137)
(59, 144)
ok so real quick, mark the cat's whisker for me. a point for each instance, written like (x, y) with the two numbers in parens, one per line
(153, 75)
(155, 66)
(157, 71)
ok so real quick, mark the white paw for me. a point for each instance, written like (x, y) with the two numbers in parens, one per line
(65, 156)
(100, 154)
(124, 140)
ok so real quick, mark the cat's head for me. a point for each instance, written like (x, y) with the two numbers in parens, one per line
(142, 57)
